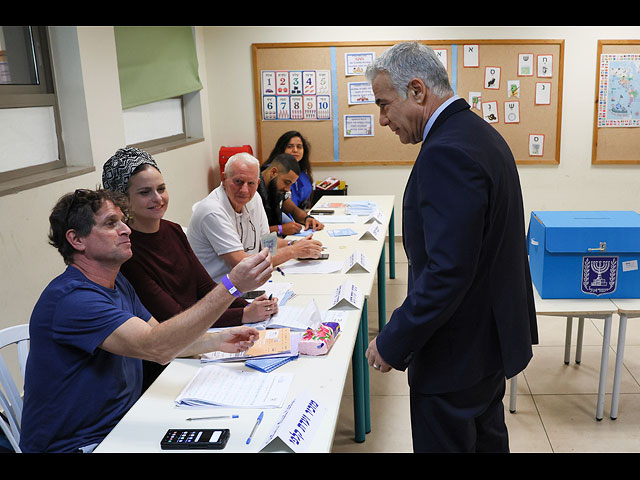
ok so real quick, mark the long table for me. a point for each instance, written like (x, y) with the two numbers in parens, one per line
(141, 429)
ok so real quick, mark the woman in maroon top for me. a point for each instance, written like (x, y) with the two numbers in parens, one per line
(164, 271)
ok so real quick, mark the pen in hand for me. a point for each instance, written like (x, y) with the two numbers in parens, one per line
(255, 427)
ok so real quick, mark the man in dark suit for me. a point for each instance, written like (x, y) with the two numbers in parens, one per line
(468, 320)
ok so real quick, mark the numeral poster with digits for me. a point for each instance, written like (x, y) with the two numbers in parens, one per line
(296, 95)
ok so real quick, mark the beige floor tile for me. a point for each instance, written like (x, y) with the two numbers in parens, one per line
(571, 425)
(548, 374)
(526, 432)
(390, 426)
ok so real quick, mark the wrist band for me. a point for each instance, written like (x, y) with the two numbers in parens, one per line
(229, 286)
(280, 229)
(308, 216)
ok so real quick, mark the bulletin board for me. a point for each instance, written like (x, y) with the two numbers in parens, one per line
(533, 134)
(616, 130)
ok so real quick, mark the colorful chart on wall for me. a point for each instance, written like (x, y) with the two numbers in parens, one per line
(616, 134)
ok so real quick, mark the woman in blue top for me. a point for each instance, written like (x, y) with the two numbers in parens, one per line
(295, 144)
(295, 207)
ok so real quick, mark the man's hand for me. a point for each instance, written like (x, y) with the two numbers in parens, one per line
(291, 228)
(260, 309)
(236, 339)
(252, 271)
(312, 223)
(375, 360)
(307, 248)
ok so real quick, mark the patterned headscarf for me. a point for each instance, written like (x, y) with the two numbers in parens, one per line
(117, 171)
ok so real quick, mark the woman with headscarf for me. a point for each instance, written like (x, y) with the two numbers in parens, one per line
(164, 271)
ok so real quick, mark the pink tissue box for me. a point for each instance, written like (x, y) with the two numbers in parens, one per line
(319, 341)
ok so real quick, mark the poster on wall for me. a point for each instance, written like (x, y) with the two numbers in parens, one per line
(296, 95)
(619, 90)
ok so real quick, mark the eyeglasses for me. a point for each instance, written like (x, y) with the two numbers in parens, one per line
(73, 200)
(241, 233)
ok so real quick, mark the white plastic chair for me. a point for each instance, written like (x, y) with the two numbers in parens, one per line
(10, 398)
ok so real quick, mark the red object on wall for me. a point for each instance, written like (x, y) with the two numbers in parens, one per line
(227, 152)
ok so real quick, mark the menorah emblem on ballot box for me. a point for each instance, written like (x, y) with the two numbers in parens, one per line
(599, 274)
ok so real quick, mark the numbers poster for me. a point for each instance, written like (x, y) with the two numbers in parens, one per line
(296, 95)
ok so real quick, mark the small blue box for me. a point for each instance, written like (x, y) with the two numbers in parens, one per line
(585, 254)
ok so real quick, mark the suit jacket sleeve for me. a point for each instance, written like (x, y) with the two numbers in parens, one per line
(445, 207)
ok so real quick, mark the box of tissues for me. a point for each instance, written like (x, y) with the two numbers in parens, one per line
(318, 341)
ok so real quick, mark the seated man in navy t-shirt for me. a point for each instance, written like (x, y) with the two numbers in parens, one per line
(88, 330)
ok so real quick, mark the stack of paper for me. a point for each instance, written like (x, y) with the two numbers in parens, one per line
(361, 208)
(217, 385)
(267, 365)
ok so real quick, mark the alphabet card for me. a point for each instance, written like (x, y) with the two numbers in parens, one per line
(543, 93)
(492, 78)
(490, 111)
(536, 144)
(545, 65)
(357, 261)
(525, 64)
(512, 112)
(442, 56)
(475, 100)
(513, 88)
(471, 56)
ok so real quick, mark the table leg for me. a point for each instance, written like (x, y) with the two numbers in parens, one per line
(360, 373)
(382, 294)
(567, 341)
(392, 246)
(364, 325)
(579, 341)
(603, 366)
(615, 397)
(512, 394)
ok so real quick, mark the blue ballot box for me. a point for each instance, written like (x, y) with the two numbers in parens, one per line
(585, 254)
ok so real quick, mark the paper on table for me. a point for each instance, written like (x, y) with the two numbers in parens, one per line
(277, 289)
(311, 266)
(336, 218)
(296, 318)
(215, 385)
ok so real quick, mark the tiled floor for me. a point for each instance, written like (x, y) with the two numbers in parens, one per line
(556, 403)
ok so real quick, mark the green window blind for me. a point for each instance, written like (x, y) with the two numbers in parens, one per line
(155, 63)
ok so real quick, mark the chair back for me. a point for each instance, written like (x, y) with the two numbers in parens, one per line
(10, 397)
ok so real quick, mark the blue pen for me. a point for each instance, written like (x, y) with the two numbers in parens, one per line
(255, 427)
(278, 269)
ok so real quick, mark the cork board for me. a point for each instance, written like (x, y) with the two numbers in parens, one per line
(330, 147)
(615, 145)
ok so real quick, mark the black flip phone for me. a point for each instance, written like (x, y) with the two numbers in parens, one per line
(183, 439)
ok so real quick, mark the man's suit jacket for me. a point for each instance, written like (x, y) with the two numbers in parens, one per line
(469, 310)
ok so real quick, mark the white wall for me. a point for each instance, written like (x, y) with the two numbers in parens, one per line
(573, 184)
(28, 263)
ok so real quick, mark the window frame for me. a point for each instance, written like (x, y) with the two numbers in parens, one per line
(42, 94)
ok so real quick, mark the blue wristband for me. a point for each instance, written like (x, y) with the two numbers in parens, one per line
(229, 286)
